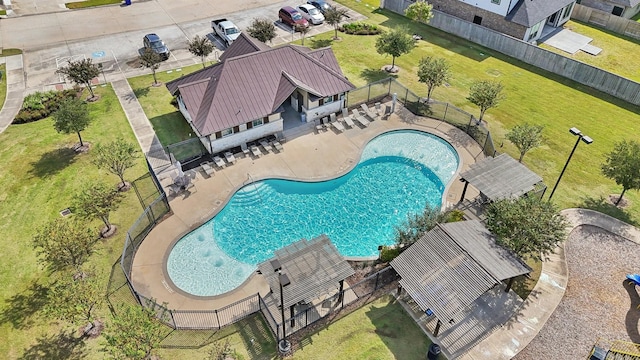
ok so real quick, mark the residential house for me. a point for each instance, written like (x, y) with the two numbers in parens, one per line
(522, 19)
(623, 8)
(243, 97)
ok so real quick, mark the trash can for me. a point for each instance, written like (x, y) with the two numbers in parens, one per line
(127, 2)
(434, 352)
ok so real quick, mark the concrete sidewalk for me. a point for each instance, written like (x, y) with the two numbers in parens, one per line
(15, 90)
(517, 333)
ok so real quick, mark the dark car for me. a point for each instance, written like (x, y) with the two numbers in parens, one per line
(153, 42)
(292, 17)
(320, 5)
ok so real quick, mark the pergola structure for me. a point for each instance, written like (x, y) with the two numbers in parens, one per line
(452, 265)
(305, 271)
(500, 177)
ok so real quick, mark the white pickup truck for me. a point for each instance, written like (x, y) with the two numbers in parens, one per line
(227, 30)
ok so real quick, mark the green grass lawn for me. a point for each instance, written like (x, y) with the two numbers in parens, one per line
(3, 84)
(168, 123)
(532, 95)
(90, 3)
(618, 51)
(39, 177)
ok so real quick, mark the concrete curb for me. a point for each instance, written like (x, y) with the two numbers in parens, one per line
(15, 90)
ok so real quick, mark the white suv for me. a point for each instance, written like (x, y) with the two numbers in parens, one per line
(311, 13)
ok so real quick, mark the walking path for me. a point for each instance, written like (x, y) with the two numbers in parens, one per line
(518, 332)
(15, 90)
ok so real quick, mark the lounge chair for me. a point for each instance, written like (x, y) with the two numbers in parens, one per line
(218, 161)
(207, 168)
(278, 146)
(337, 125)
(372, 115)
(230, 158)
(359, 118)
(387, 112)
(255, 151)
(266, 146)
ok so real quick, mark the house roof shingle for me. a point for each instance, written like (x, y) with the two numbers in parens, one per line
(255, 83)
(531, 12)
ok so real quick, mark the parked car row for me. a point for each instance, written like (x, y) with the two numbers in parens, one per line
(310, 13)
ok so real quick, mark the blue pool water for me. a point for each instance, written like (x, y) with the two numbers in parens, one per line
(398, 173)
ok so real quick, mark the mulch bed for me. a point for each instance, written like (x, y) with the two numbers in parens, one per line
(598, 302)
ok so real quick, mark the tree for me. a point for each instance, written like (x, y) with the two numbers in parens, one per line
(74, 298)
(116, 157)
(419, 11)
(81, 72)
(433, 72)
(96, 199)
(304, 30)
(532, 228)
(262, 29)
(417, 225)
(395, 43)
(133, 333)
(623, 166)
(64, 243)
(486, 94)
(72, 117)
(333, 16)
(525, 137)
(200, 46)
(151, 60)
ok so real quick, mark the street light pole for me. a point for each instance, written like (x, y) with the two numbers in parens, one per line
(284, 346)
(587, 140)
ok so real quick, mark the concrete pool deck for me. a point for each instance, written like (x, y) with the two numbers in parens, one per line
(308, 157)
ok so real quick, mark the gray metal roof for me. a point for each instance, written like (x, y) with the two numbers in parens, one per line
(250, 85)
(531, 12)
(629, 3)
(452, 265)
(244, 44)
(314, 267)
(501, 177)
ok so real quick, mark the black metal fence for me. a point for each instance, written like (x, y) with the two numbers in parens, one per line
(379, 90)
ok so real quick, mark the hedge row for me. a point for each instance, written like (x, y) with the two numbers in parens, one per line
(40, 105)
(360, 28)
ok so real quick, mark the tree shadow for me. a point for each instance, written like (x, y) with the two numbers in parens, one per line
(602, 205)
(633, 315)
(373, 75)
(64, 345)
(320, 43)
(20, 308)
(140, 92)
(52, 162)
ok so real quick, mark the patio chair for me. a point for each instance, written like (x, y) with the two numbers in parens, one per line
(230, 158)
(207, 168)
(387, 112)
(265, 145)
(337, 125)
(372, 115)
(255, 151)
(359, 118)
(278, 146)
(218, 161)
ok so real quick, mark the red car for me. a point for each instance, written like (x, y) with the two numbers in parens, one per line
(292, 17)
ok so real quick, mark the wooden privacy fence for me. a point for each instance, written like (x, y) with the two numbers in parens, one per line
(606, 20)
(585, 74)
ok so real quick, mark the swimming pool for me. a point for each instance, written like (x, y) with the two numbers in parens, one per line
(398, 173)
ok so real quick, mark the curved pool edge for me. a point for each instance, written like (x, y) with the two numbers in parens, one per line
(157, 283)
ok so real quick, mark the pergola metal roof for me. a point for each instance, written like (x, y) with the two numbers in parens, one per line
(314, 268)
(452, 265)
(501, 177)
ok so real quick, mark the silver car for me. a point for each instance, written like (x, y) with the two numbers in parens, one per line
(311, 13)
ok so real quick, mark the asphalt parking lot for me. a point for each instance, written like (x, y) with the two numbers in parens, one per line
(118, 53)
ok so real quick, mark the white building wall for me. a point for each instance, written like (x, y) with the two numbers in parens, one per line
(502, 8)
(242, 137)
(317, 112)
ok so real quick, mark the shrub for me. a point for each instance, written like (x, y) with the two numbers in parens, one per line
(455, 215)
(360, 28)
(389, 253)
(40, 105)
(174, 102)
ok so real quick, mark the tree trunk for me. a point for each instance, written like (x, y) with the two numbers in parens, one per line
(203, 61)
(105, 220)
(80, 138)
(335, 28)
(393, 62)
(90, 89)
(621, 195)
(481, 114)
(429, 90)
(521, 156)
(155, 81)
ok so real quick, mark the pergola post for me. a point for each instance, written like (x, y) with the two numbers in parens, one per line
(509, 284)
(437, 330)
(341, 289)
(464, 190)
(293, 319)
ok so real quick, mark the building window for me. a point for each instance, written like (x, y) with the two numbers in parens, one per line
(257, 122)
(227, 132)
(327, 100)
(477, 19)
(567, 11)
(534, 31)
(617, 11)
(497, 2)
